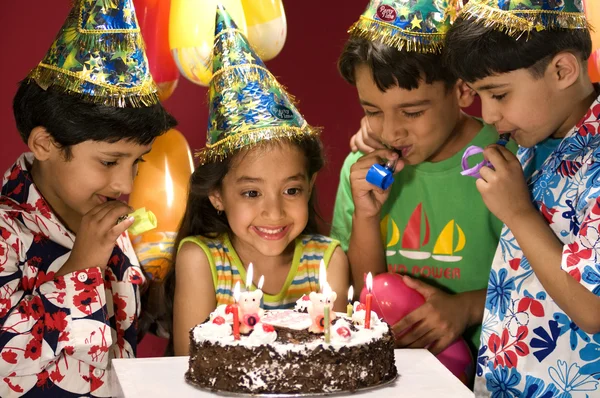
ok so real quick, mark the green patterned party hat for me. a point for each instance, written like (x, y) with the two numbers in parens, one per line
(99, 56)
(247, 104)
(410, 25)
(518, 17)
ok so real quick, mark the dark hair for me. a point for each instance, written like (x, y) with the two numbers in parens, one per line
(70, 120)
(475, 51)
(392, 67)
(201, 218)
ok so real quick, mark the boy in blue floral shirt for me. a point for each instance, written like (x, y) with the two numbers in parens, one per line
(541, 326)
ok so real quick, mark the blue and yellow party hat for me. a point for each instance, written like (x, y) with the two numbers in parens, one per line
(518, 17)
(247, 104)
(410, 25)
(99, 55)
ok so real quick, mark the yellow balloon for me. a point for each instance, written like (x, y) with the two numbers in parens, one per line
(267, 26)
(192, 32)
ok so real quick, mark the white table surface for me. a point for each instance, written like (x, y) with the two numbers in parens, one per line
(421, 375)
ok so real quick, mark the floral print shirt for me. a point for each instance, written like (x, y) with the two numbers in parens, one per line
(529, 346)
(58, 333)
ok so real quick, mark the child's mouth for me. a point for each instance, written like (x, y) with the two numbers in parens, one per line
(271, 233)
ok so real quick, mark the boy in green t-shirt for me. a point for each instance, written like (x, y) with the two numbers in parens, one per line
(431, 223)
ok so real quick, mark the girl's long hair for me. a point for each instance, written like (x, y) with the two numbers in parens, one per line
(201, 218)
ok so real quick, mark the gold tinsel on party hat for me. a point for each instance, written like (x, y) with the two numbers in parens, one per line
(247, 104)
(518, 17)
(415, 26)
(99, 56)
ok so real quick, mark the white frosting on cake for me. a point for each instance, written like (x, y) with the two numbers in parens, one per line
(358, 318)
(213, 332)
(302, 303)
(287, 319)
(223, 335)
(341, 331)
(221, 311)
(260, 337)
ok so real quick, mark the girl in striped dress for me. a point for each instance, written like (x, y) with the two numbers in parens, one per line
(241, 211)
(251, 197)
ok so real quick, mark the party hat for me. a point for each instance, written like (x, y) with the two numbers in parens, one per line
(99, 55)
(518, 17)
(247, 104)
(410, 25)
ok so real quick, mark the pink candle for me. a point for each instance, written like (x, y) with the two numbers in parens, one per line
(236, 315)
(369, 299)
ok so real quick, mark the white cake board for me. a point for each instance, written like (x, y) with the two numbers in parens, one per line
(421, 375)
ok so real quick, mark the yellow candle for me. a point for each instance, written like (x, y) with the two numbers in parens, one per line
(349, 307)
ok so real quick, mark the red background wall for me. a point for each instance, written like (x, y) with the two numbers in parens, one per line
(307, 66)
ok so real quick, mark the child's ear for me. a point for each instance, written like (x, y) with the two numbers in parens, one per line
(464, 94)
(215, 199)
(565, 69)
(41, 143)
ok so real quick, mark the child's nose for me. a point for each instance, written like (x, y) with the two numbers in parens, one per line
(391, 131)
(122, 181)
(273, 208)
(490, 113)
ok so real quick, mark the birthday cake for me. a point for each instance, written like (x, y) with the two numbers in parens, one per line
(282, 354)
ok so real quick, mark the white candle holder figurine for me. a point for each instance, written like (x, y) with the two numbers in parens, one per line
(250, 305)
(318, 302)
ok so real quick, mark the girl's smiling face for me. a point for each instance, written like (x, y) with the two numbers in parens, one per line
(265, 196)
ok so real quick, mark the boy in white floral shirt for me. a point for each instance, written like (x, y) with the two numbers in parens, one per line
(69, 279)
(541, 328)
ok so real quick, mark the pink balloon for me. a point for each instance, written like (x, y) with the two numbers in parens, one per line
(393, 300)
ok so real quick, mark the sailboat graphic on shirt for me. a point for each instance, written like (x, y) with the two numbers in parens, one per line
(444, 249)
(395, 238)
(411, 239)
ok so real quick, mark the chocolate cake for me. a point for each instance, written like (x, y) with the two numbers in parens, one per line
(280, 355)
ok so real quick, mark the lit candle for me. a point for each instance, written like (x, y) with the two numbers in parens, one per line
(236, 315)
(327, 313)
(261, 282)
(369, 300)
(349, 307)
(320, 304)
(249, 276)
(322, 276)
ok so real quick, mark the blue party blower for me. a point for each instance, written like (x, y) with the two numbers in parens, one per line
(382, 176)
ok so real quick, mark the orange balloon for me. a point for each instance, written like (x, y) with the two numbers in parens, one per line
(162, 180)
(161, 187)
(594, 66)
(165, 89)
(592, 13)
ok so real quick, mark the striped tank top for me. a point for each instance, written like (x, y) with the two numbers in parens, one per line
(303, 278)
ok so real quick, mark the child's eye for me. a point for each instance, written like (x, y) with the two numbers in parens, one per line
(139, 160)
(250, 194)
(499, 97)
(293, 191)
(108, 164)
(412, 115)
(370, 113)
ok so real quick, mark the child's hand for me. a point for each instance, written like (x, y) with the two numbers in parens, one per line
(436, 324)
(364, 140)
(368, 198)
(96, 236)
(503, 188)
